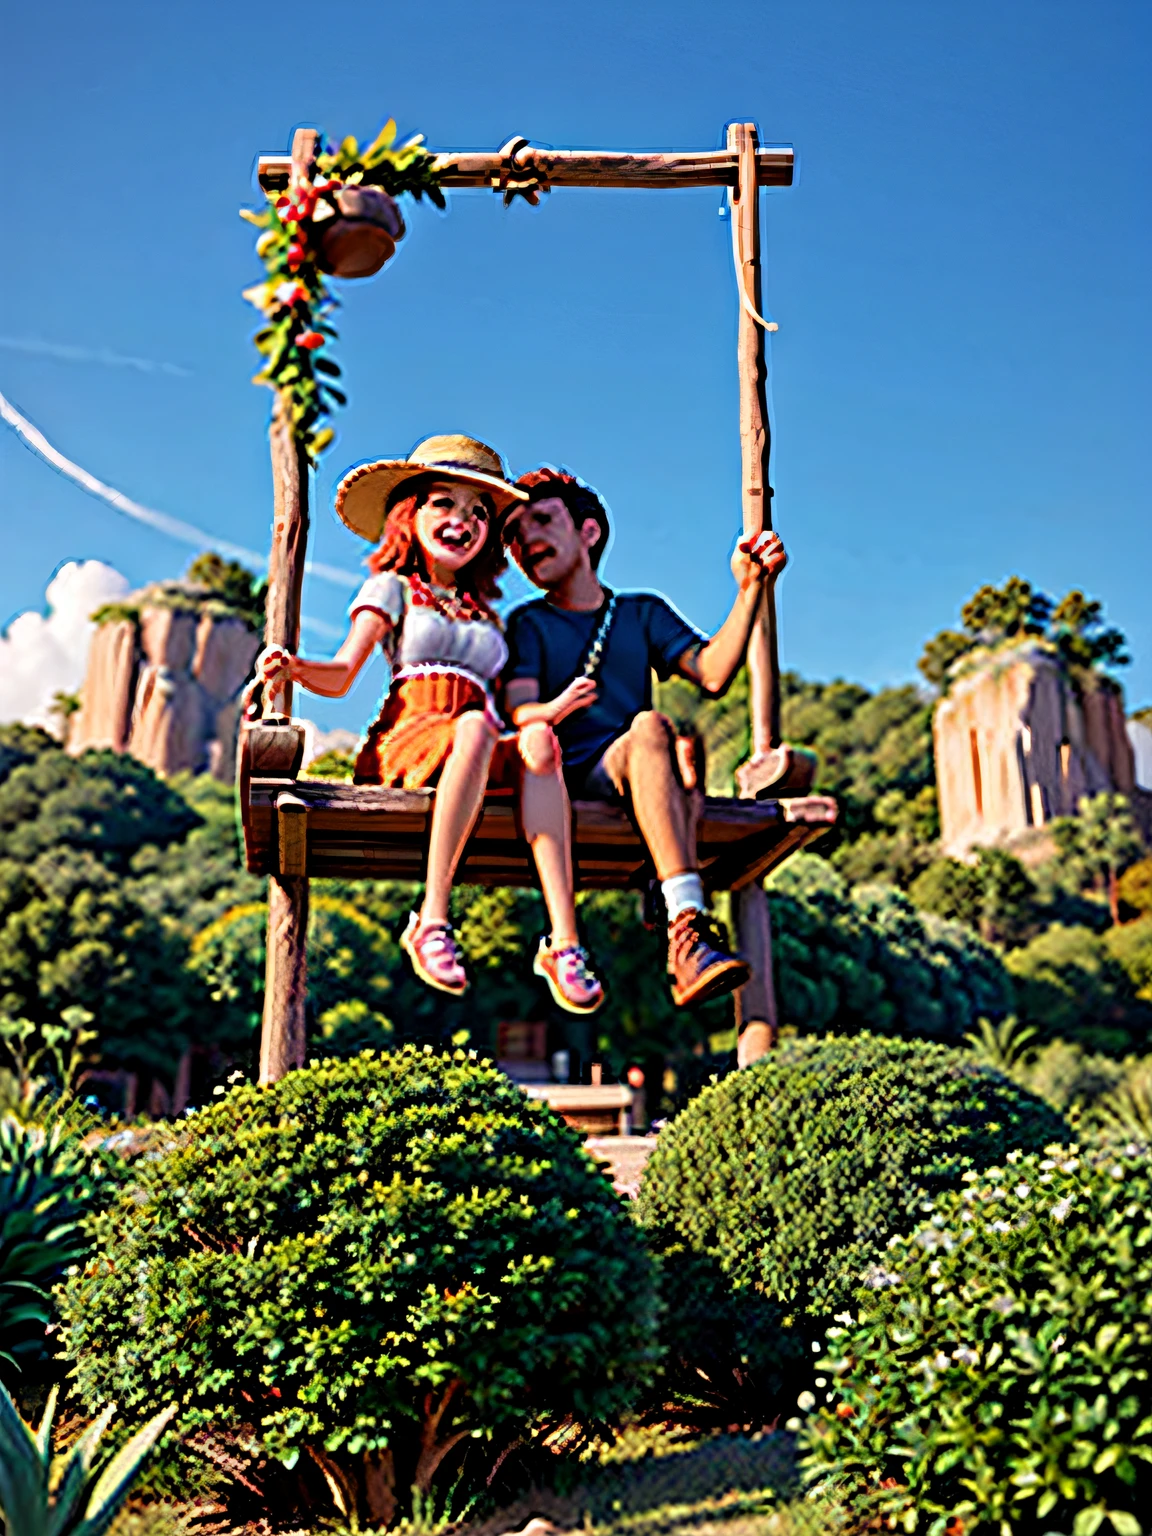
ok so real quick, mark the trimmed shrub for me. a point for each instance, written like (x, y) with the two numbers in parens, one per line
(384, 1263)
(999, 1376)
(770, 1194)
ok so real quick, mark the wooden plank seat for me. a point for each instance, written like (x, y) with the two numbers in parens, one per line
(318, 828)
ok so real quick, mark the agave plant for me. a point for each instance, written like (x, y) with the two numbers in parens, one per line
(65, 1495)
(45, 1183)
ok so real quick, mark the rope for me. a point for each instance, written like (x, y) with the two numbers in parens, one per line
(746, 303)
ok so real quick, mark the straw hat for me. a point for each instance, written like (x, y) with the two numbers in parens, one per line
(362, 495)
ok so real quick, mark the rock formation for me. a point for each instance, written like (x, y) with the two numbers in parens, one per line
(1019, 741)
(165, 672)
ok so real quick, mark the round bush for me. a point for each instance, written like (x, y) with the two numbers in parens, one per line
(998, 1376)
(770, 1195)
(384, 1262)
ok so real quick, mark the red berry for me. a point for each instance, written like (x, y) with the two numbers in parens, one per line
(311, 340)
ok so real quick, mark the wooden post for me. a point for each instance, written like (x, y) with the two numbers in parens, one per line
(283, 1040)
(756, 1000)
(755, 432)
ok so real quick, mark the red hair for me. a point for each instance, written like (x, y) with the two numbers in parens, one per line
(400, 550)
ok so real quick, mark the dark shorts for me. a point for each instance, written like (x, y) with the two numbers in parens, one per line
(592, 781)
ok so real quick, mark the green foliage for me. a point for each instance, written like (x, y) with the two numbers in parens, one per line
(1070, 1078)
(349, 960)
(1068, 984)
(867, 959)
(874, 752)
(295, 300)
(770, 1194)
(189, 883)
(100, 803)
(1130, 945)
(999, 1372)
(331, 765)
(397, 1254)
(994, 895)
(1096, 846)
(47, 1185)
(66, 1495)
(1135, 886)
(231, 584)
(1073, 627)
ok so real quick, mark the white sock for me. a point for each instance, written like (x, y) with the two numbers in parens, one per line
(682, 892)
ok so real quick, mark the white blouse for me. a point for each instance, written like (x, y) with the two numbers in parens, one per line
(420, 637)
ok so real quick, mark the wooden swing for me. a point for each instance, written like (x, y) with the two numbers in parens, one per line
(297, 828)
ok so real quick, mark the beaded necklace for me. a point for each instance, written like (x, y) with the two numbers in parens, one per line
(460, 607)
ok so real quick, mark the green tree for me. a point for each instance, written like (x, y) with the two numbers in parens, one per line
(1002, 613)
(1135, 886)
(1081, 636)
(1069, 984)
(232, 584)
(848, 960)
(1074, 627)
(1098, 845)
(349, 963)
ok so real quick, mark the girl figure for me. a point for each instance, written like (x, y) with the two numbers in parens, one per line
(428, 604)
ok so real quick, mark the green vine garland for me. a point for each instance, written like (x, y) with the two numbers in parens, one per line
(294, 298)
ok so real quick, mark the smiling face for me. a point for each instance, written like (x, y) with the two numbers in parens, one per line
(546, 544)
(452, 525)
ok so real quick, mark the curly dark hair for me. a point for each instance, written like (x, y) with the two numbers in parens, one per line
(399, 549)
(580, 499)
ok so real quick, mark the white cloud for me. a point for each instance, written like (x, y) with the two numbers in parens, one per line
(42, 655)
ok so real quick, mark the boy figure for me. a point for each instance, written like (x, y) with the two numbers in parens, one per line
(590, 654)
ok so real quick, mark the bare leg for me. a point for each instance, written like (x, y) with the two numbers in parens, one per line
(459, 796)
(644, 762)
(547, 819)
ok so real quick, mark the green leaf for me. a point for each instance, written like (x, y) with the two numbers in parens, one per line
(120, 1473)
(1124, 1524)
(1089, 1521)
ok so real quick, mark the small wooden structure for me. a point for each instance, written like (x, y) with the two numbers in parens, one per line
(295, 829)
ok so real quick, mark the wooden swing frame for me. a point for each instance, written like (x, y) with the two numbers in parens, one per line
(296, 829)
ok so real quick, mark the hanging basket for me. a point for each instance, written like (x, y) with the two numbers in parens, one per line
(361, 235)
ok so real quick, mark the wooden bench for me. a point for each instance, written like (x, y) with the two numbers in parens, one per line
(320, 828)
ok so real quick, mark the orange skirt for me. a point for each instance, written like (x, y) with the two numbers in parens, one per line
(410, 742)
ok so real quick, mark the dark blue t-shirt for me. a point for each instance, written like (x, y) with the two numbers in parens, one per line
(552, 644)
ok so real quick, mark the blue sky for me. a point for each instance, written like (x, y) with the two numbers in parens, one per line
(960, 379)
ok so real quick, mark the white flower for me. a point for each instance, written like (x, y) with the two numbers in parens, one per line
(999, 1226)
(821, 1381)
(1014, 1156)
(877, 1277)
(932, 1238)
(1002, 1304)
(806, 1402)
(844, 1317)
(1047, 1163)
(1045, 1178)
(1022, 1191)
(965, 1356)
(941, 1361)
(1116, 1171)
(1070, 1166)
(1061, 1208)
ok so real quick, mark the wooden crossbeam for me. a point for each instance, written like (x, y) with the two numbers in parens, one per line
(584, 167)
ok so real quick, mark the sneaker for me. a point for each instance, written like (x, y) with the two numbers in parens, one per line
(435, 955)
(569, 976)
(699, 969)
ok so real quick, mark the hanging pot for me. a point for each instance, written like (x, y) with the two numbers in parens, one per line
(360, 236)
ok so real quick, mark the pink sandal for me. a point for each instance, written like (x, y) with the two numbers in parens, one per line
(569, 976)
(435, 955)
